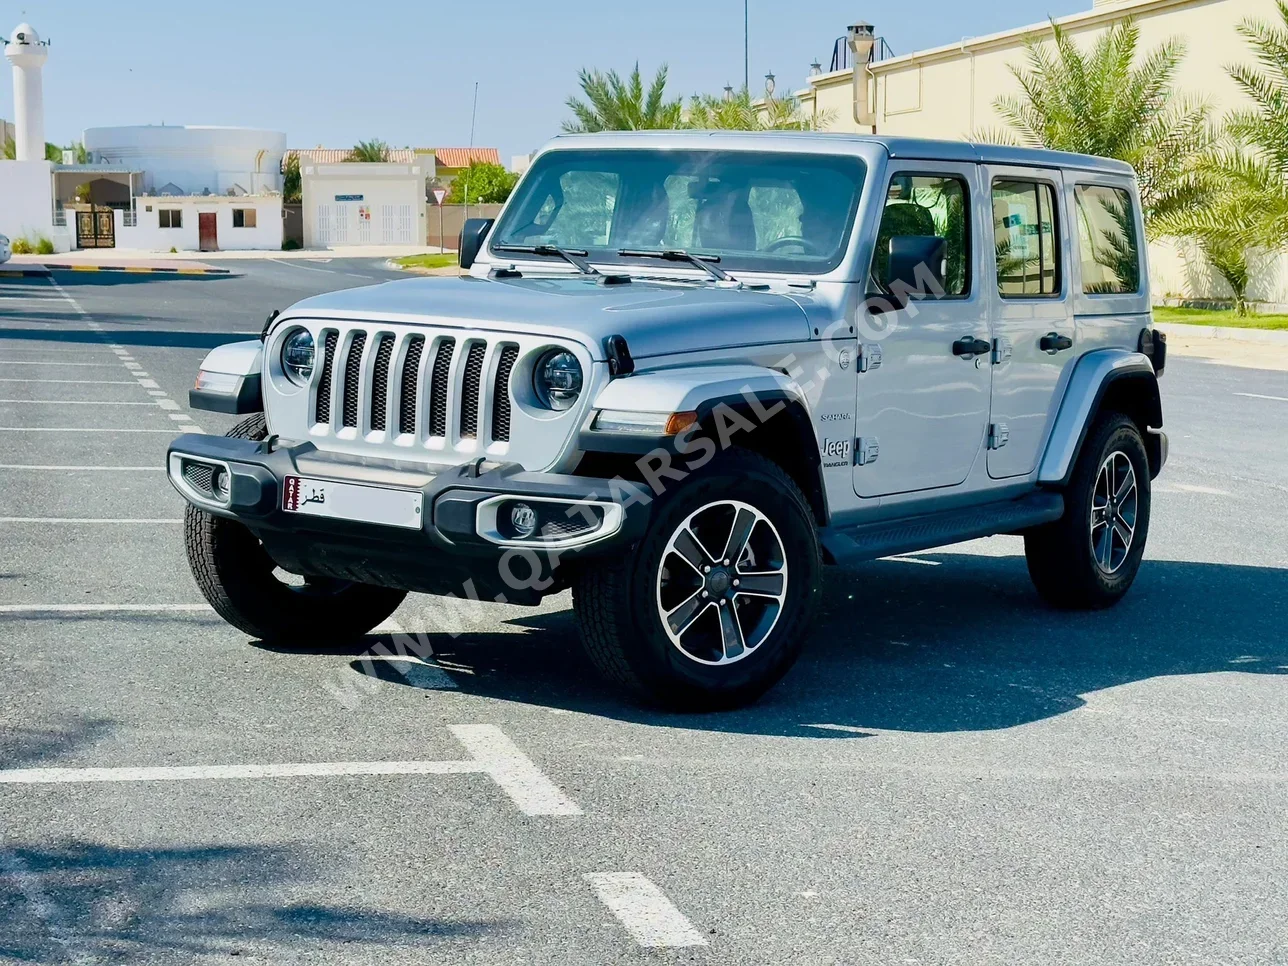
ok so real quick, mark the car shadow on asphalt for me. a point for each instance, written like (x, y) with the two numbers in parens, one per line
(962, 643)
(78, 900)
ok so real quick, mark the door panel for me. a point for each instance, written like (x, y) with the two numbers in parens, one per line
(923, 408)
(207, 239)
(1032, 311)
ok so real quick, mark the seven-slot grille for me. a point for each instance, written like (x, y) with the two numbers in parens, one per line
(431, 380)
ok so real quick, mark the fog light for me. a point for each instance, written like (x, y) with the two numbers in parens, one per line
(524, 520)
(221, 483)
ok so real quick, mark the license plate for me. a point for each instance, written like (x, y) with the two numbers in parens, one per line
(353, 501)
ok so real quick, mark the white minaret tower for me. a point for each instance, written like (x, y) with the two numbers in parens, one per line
(28, 53)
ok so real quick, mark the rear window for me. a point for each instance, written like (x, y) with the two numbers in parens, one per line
(1107, 240)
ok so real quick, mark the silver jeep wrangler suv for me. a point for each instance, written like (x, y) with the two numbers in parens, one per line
(684, 372)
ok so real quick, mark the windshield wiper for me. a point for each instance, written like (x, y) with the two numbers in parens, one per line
(679, 255)
(574, 257)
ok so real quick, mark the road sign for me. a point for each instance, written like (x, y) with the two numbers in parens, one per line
(439, 195)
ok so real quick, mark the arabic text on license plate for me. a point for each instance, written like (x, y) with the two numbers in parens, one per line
(352, 501)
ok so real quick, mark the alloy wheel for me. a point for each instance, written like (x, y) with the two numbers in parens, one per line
(722, 583)
(1114, 505)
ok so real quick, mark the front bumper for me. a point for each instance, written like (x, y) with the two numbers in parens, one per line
(459, 539)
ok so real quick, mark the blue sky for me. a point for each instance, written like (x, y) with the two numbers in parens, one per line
(332, 73)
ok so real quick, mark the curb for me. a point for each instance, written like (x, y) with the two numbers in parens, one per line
(1222, 333)
(137, 269)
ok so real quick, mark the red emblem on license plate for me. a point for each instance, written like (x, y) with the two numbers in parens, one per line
(291, 493)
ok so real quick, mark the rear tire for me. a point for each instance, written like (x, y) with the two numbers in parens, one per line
(659, 626)
(240, 581)
(1089, 558)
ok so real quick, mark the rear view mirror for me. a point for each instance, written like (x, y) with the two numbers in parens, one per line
(916, 266)
(472, 237)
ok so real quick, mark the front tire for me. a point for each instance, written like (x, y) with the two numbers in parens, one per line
(712, 607)
(1089, 558)
(245, 587)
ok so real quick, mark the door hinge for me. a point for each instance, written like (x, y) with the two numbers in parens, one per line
(1002, 350)
(998, 434)
(869, 356)
(866, 450)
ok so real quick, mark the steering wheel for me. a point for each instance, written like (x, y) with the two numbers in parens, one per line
(808, 246)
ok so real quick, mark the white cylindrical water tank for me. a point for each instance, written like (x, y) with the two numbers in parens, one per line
(28, 53)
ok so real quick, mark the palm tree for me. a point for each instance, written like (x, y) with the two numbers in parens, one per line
(739, 113)
(1104, 102)
(373, 150)
(614, 104)
(1246, 175)
(1263, 127)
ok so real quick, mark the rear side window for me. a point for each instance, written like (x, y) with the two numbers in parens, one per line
(926, 205)
(1028, 253)
(1107, 240)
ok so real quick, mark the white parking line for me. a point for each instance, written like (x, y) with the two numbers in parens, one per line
(533, 792)
(492, 754)
(80, 429)
(640, 906)
(104, 608)
(1257, 395)
(303, 268)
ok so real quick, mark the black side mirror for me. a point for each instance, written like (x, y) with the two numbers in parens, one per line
(472, 237)
(916, 266)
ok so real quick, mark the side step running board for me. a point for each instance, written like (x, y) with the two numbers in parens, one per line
(889, 537)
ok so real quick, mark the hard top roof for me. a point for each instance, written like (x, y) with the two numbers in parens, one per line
(904, 148)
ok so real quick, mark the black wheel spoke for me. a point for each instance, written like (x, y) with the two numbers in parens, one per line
(687, 546)
(682, 618)
(743, 523)
(761, 585)
(731, 638)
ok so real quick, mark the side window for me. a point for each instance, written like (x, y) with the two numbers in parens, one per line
(1107, 240)
(1028, 247)
(926, 205)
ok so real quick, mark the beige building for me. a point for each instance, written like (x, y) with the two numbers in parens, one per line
(948, 92)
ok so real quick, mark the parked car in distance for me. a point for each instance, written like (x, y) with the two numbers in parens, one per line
(685, 372)
(6, 250)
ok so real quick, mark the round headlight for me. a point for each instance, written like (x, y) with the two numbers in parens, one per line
(297, 357)
(557, 379)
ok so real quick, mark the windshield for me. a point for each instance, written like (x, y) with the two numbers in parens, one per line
(754, 211)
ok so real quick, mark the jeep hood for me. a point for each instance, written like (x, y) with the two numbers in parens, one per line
(655, 317)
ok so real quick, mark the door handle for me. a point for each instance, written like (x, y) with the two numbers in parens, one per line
(971, 346)
(1054, 342)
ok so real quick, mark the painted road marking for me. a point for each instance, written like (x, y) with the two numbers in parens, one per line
(1257, 395)
(531, 791)
(303, 268)
(492, 754)
(644, 910)
(104, 608)
(79, 429)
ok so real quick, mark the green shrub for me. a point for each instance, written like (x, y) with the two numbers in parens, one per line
(290, 245)
(173, 250)
(44, 246)
(20, 246)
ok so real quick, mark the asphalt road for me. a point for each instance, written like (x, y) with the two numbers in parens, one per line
(952, 774)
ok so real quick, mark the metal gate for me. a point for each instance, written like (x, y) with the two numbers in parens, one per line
(95, 228)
